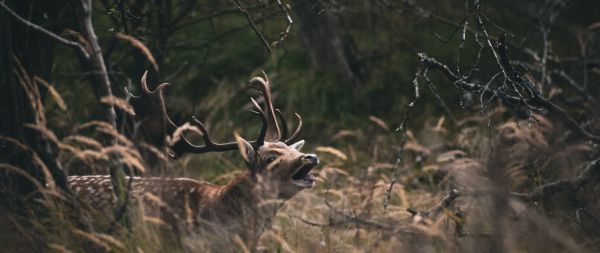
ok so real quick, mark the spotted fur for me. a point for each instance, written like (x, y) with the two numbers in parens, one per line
(243, 207)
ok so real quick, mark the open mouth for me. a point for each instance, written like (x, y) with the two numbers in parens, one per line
(302, 179)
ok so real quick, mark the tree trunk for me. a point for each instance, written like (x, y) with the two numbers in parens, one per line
(328, 44)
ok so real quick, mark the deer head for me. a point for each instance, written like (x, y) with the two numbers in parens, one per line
(283, 169)
(273, 158)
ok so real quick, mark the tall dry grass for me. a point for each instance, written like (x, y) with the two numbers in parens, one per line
(454, 193)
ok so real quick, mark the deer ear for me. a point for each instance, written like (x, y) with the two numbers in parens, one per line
(246, 150)
(298, 145)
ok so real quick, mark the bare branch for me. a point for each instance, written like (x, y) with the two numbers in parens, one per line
(72, 44)
(535, 100)
(284, 34)
(243, 9)
(357, 220)
(465, 85)
(402, 129)
(443, 204)
(590, 174)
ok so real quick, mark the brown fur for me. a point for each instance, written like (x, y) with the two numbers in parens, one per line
(245, 206)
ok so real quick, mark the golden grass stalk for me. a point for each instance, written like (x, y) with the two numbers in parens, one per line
(93, 123)
(128, 156)
(111, 240)
(33, 94)
(10, 168)
(52, 138)
(118, 103)
(282, 242)
(154, 151)
(92, 237)
(331, 150)
(58, 248)
(105, 128)
(140, 46)
(238, 240)
(35, 158)
(87, 141)
(174, 138)
(154, 220)
(155, 199)
(53, 93)
(379, 122)
(89, 154)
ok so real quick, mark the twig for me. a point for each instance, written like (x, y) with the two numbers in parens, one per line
(545, 34)
(468, 86)
(243, 9)
(461, 44)
(445, 203)
(402, 129)
(122, 13)
(330, 223)
(535, 100)
(175, 27)
(284, 34)
(72, 44)
(231, 31)
(436, 94)
(590, 174)
(357, 220)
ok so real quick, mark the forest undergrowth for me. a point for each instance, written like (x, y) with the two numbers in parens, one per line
(478, 185)
(493, 152)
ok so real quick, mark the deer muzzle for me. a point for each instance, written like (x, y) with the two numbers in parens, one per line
(301, 178)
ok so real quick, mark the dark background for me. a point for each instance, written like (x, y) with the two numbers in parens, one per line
(346, 66)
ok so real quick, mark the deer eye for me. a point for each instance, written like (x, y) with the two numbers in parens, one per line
(270, 159)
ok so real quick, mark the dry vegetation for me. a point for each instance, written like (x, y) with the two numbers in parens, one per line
(500, 178)
(459, 189)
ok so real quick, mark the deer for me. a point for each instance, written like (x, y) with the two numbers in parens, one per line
(276, 170)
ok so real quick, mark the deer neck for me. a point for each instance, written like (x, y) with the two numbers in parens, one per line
(247, 205)
(238, 193)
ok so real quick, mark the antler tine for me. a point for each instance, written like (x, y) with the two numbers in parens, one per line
(185, 146)
(182, 145)
(262, 85)
(263, 130)
(152, 110)
(270, 130)
(128, 93)
(158, 89)
(284, 128)
(298, 128)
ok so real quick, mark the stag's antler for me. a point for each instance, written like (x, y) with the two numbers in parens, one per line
(263, 86)
(180, 145)
(274, 132)
(284, 128)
